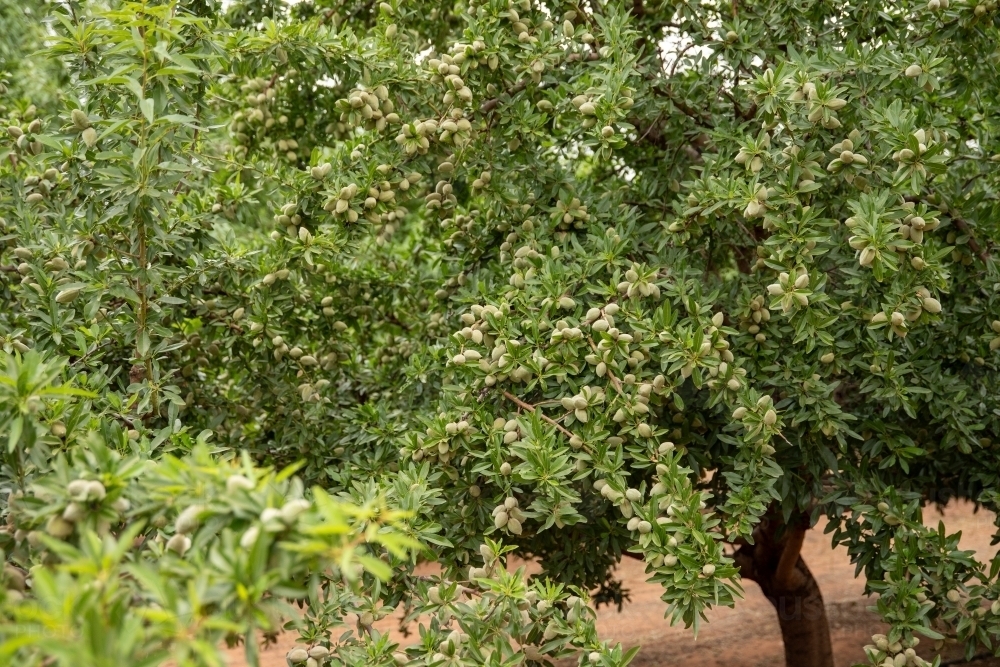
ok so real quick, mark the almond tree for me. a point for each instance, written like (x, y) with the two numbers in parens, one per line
(584, 280)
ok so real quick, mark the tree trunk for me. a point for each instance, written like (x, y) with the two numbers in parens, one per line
(774, 562)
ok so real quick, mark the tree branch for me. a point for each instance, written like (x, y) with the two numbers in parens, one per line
(531, 408)
(745, 115)
(784, 574)
(973, 244)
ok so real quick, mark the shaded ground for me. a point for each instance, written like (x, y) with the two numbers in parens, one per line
(749, 636)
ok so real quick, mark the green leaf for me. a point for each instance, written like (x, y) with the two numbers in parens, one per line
(146, 105)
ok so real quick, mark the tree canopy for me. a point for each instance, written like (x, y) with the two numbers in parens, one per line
(299, 295)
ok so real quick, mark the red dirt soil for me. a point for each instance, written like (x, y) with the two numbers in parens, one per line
(747, 635)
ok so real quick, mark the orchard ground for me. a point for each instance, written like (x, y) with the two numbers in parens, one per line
(747, 636)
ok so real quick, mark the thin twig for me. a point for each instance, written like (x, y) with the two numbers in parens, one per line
(652, 126)
(673, 68)
(531, 408)
(746, 231)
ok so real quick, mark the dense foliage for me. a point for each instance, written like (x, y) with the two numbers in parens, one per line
(297, 296)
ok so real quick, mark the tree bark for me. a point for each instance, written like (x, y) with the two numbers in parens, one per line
(774, 562)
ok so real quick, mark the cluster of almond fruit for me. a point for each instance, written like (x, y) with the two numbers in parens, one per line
(351, 202)
(639, 283)
(508, 516)
(571, 215)
(670, 500)
(442, 197)
(895, 654)
(24, 133)
(314, 656)
(757, 315)
(56, 267)
(447, 72)
(257, 122)
(461, 225)
(752, 160)
(846, 155)
(297, 353)
(757, 205)
(371, 109)
(440, 441)
(522, 27)
(85, 499)
(898, 322)
(791, 292)
(995, 342)
(824, 110)
(579, 403)
(454, 604)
